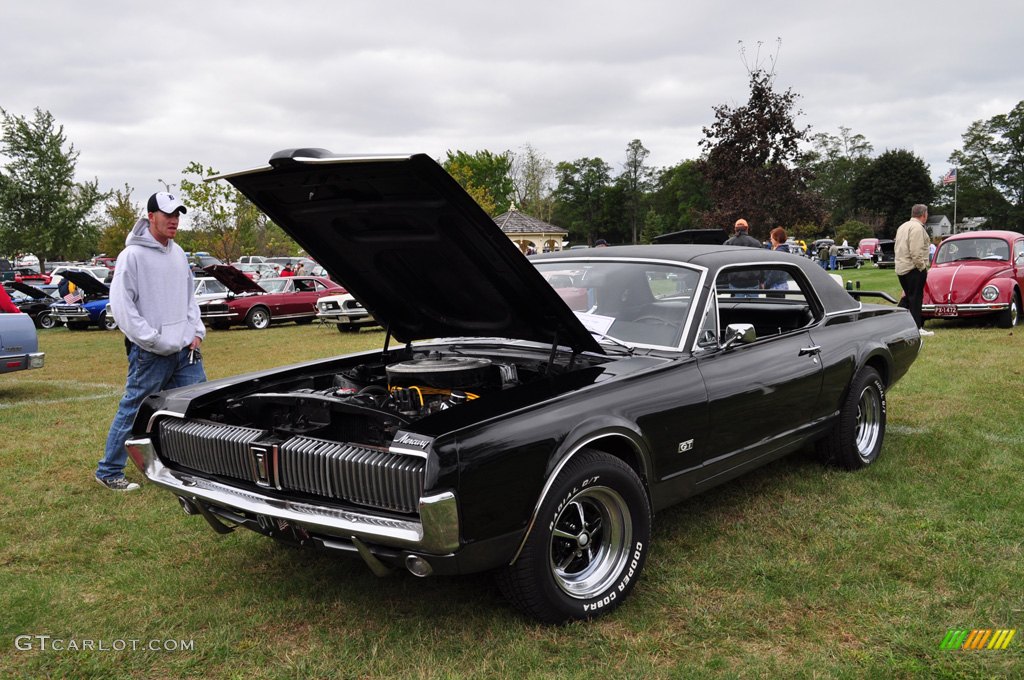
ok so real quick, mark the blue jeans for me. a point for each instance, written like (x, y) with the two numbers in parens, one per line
(832, 262)
(147, 373)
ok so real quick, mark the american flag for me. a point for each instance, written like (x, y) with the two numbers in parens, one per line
(949, 177)
(73, 298)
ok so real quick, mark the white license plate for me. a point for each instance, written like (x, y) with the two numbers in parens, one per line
(945, 310)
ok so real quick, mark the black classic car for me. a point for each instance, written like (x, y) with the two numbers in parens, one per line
(508, 425)
(34, 301)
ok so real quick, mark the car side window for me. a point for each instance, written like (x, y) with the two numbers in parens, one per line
(772, 299)
(1018, 251)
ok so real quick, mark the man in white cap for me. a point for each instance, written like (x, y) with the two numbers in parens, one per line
(152, 300)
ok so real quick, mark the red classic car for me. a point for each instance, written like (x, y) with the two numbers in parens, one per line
(975, 274)
(257, 305)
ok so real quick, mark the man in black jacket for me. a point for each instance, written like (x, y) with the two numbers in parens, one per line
(741, 237)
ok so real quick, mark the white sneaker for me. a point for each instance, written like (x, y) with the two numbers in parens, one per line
(924, 332)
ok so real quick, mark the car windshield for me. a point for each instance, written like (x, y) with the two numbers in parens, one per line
(276, 285)
(973, 249)
(639, 304)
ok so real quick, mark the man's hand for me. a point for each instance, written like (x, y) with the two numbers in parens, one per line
(196, 341)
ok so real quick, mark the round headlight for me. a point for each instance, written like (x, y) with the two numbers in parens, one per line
(989, 293)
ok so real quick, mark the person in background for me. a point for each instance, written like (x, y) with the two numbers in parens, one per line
(912, 262)
(287, 271)
(823, 256)
(833, 254)
(300, 269)
(7, 305)
(152, 299)
(741, 235)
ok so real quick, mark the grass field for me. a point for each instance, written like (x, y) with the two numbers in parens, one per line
(793, 571)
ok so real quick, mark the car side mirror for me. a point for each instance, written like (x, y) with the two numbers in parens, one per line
(741, 333)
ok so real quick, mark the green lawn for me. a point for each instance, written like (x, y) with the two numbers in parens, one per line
(793, 571)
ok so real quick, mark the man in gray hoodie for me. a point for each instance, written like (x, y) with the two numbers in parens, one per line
(153, 303)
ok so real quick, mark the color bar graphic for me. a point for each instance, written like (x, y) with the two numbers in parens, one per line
(979, 638)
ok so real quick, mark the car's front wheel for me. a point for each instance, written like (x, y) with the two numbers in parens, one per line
(108, 322)
(46, 320)
(589, 543)
(1010, 317)
(258, 318)
(856, 439)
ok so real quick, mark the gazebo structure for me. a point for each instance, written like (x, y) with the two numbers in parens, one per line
(531, 234)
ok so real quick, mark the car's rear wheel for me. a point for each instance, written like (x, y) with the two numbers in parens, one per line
(589, 543)
(258, 318)
(856, 439)
(1009, 317)
(46, 320)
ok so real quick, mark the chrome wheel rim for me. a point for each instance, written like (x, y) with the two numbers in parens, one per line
(590, 542)
(47, 321)
(869, 422)
(260, 319)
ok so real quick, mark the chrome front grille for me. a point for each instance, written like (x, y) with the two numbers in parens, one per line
(351, 472)
(335, 470)
(209, 447)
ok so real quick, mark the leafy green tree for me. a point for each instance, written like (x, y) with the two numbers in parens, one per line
(678, 198)
(990, 175)
(485, 176)
(853, 231)
(832, 165)
(890, 186)
(43, 210)
(224, 222)
(533, 179)
(751, 162)
(580, 197)
(120, 215)
(635, 181)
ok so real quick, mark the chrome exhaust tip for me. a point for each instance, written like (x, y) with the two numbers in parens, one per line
(188, 506)
(418, 566)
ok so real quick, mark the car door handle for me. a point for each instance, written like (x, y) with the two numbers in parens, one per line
(804, 351)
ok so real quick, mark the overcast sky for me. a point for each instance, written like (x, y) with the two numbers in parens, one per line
(142, 91)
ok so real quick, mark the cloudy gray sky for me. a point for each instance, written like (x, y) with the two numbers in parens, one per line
(144, 90)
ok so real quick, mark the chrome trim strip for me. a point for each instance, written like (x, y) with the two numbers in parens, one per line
(159, 414)
(436, 533)
(974, 307)
(554, 474)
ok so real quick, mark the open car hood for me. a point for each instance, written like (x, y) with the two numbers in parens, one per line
(31, 291)
(87, 282)
(234, 279)
(407, 241)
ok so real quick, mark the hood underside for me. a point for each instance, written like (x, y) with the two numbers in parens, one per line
(86, 281)
(234, 279)
(408, 242)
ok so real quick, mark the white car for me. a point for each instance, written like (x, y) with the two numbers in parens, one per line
(344, 310)
(99, 273)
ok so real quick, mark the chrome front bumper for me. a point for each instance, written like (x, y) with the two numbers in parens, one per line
(976, 308)
(436, 533)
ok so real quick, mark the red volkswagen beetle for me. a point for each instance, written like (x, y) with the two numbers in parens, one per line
(976, 274)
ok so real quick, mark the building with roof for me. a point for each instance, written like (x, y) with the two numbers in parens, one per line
(938, 225)
(531, 234)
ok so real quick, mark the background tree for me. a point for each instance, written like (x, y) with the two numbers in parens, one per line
(635, 181)
(853, 231)
(224, 222)
(990, 175)
(889, 187)
(533, 180)
(677, 200)
(751, 162)
(43, 210)
(833, 164)
(580, 196)
(485, 176)
(120, 215)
